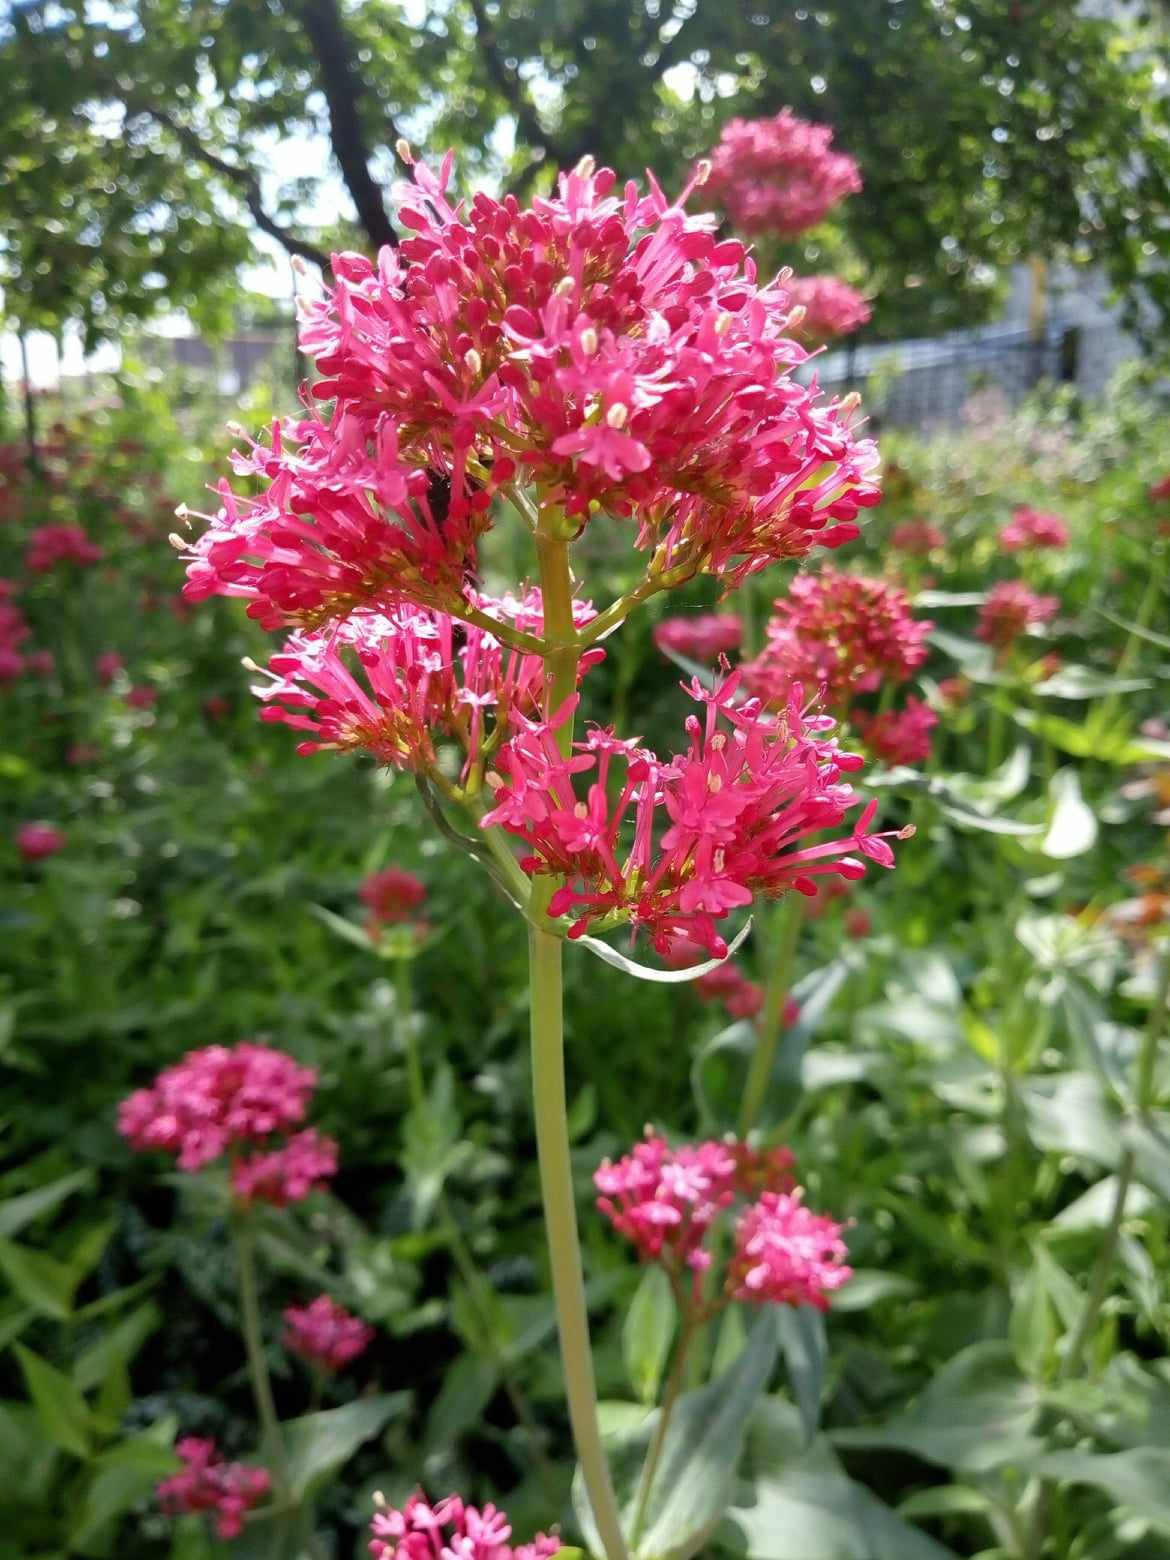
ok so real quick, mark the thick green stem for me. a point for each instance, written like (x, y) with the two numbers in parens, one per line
(786, 926)
(671, 1395)
(548, 1082)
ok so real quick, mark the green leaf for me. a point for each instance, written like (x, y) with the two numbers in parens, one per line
(647, 1333)
(320, 1444)
(1138, 1479)
(431, 1144)
(468, 1386)
(1072, 823)
(806, 1355)
(120, 1479)
(975, 1414)
(1032, 1327)
(60, 1407)
(38, 1279)
(696, 1469)
(117, 1347)
(801, 1505)
(348, 931)
(1067, 1113)
(869, 1287)
(16, 1212)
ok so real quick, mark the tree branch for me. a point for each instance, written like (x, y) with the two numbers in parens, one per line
(243, 180)
(510, 85)
(342, 87)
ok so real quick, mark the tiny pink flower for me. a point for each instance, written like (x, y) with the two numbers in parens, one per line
(449, 1530)
(1010, 610)
(304, 1164)
(916, 536)
(704, 637)
(899, 736)
(1033, 528)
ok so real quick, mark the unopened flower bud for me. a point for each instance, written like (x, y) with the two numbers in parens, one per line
(402, 147)
(618, 415)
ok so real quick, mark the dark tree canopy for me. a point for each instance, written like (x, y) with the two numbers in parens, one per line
(133, 137)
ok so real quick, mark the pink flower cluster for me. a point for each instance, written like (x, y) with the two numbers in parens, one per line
(1033, 528)
(391, 896)
(786, 1255)
(35, 841)
(916, 536)
(601, 345)
(831, 307)
(704, 637)
(50, 545)
(303, 1164)
(740, 996)
(1010, 609)
(396, 685)
(228, 1099)
(779, 175)
(1159, 491)
(736, 806)
(15, 658)
(208, 1484)
(325, 1334)
(449, 1530)
(898, 736)
(843, 633)
(666, 1202)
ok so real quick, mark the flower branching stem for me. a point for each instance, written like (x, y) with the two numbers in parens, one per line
(548, 1084)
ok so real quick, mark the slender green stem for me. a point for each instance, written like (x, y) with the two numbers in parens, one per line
(670, 1396)
(271, 1439)
(548, 1086)
(404, 1018)
(786, 924)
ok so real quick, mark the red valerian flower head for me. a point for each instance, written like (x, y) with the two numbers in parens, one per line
(916, 536)
(1030, 528)
(35, 841)
(1011, 609)
(107, 666)
(325, 1334)
(898, 736)
(704, 637)
(843, 633)
(831, 307)
(217, 1098)
(735, 806)
(227, 1491)
(1159, 491)
(51, 545)
(396, 685)
(303, 1164)
(603, 347)
(779, 175)
(786, 1255)
(392, 895)
(449, 1530)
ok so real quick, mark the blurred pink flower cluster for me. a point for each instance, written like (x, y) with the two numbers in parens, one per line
(1010, 610)
(703, 637)
(234, 1099)
(1030, 528)
(898, 736)
(16, 659)
(391, 896)
(51, 545)
(779, 175)
(737, 804)
(449, 1530)
(666, 1202)
(916, 537)
(831, 307)
(727, 984)
(325, 1334)
(206, 1483)
(602, 345)
(843, 633)
(37, 840)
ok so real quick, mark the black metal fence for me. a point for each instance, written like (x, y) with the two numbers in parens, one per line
(930, 383)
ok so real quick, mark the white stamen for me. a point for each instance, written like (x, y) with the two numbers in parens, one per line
(702, 171)
(796, 316)
(405, 154)
(182, 512)
(178, 542)
(618, 415)
(584, 169)
(237, 430)
(589, 341)
(473, 360)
